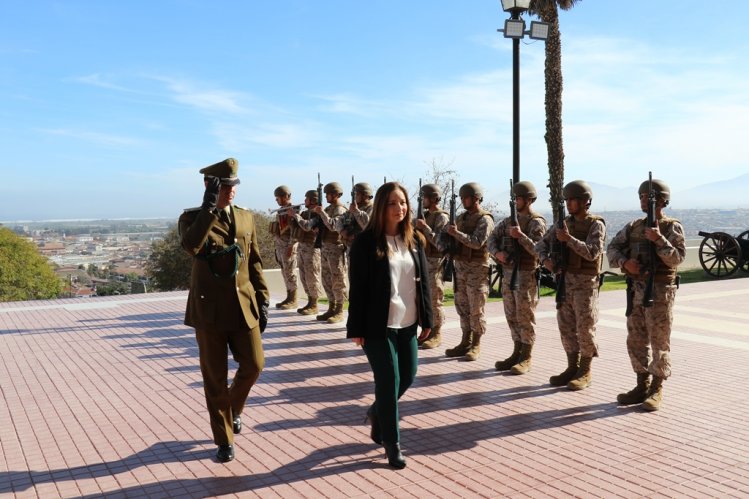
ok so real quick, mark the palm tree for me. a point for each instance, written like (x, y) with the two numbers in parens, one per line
(548, 11)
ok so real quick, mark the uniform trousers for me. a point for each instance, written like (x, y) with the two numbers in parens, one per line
(224, 402)
(394, 359)
(650, 328)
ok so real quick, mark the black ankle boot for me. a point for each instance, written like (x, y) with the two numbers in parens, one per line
(374, 431)
(395, 458)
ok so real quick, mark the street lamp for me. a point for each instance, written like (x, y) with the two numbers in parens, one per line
(515, 29)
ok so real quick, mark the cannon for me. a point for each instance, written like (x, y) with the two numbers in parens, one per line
(721, 254)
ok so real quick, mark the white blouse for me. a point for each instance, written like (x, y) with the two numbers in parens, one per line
(403, 308)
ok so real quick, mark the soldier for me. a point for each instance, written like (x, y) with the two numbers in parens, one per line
(284, 239)
(471, 231)
(309, 253)
(333, 253)
(431, 225)
(584, 234)
(520, 303)
(351, 224)
(649, 324)
(228, 299)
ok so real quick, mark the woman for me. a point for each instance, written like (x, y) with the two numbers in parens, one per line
(389, 297)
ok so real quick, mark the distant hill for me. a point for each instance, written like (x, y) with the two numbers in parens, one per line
(726, 194)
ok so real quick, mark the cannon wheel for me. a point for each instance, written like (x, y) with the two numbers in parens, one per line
(720, 254)
(743, 240)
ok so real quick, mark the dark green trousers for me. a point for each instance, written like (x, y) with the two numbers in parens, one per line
(394, 358)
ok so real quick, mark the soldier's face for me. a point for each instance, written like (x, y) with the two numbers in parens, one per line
(521, 203)
(468, 202)
(309, 203)
(397, 208)
(226, 195)
(427, 202)
(360, 198)
(573, 206)
(283, 200)
(330, 197)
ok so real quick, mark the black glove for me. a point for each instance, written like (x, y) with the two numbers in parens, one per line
(263, 316)
(210, 198)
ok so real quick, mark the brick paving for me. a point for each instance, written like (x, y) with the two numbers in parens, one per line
(103, 397)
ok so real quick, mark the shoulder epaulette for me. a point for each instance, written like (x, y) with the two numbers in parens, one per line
(188, 210)
(241, 208)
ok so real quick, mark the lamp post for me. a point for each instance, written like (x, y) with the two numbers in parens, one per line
(515, 29)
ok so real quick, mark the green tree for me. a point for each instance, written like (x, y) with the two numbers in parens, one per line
(24, 273)
(548, 11)
(168, 266)
(113, 288)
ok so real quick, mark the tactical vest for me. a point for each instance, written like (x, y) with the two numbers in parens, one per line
(528, 261)
(579, 230)
(330, 236)
(639, 249)
(431, 218)
(467, 223)
(304, 236)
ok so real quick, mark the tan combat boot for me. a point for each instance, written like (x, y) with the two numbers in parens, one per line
(561, 379)
(474, 351)
(638, 394)
(583, 378)
(434, 340)
(655, 395)
(325, 315)
(461, 348)
(284, 302)
(290, 301)
(524, 360)
(310, 308)
(337, 315)
(506, 365)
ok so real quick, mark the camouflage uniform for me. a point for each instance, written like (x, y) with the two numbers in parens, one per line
(284, 240)
(472, 276)
(649, 328)
(309, 260)
(520, 304)
(436, 222)
(333, 253)
(578, 314)
(344, 225)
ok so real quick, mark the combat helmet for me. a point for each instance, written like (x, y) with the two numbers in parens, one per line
(364, 188)
(525, 189)
(312, 195)
(282, 190)
(659, 186)
(431, 191)
(578, 189)
(471, 189)
(334, 188)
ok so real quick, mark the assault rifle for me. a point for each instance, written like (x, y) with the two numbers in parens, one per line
(282, 209)
(558, 256)
(647, 298)
(515, 243)
(350, 227)
(448, 270)
(318, 221)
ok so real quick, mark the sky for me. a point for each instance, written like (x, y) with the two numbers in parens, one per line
(109, 109)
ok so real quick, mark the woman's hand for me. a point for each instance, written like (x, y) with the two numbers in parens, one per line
(425, 333)
(359, 341)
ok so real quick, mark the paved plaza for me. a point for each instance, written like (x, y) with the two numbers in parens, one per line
(103, 397)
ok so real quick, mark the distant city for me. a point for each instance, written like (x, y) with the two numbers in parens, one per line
(122, 247)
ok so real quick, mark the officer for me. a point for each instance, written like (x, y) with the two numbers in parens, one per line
(471, 231)
(333, 253)
(584, 235)
(649, 323)
(228, 299)
(431, 223)
(284, 240)
(359, 212)
(513, 246)
(309, 253)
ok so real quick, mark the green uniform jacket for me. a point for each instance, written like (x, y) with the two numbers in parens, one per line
(223, 303)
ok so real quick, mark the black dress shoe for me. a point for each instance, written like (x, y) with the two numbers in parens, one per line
(236, 425)
(225, 453)
(395, 458)
(374, 431)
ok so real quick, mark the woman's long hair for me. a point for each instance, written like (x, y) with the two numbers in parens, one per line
(377, 221)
